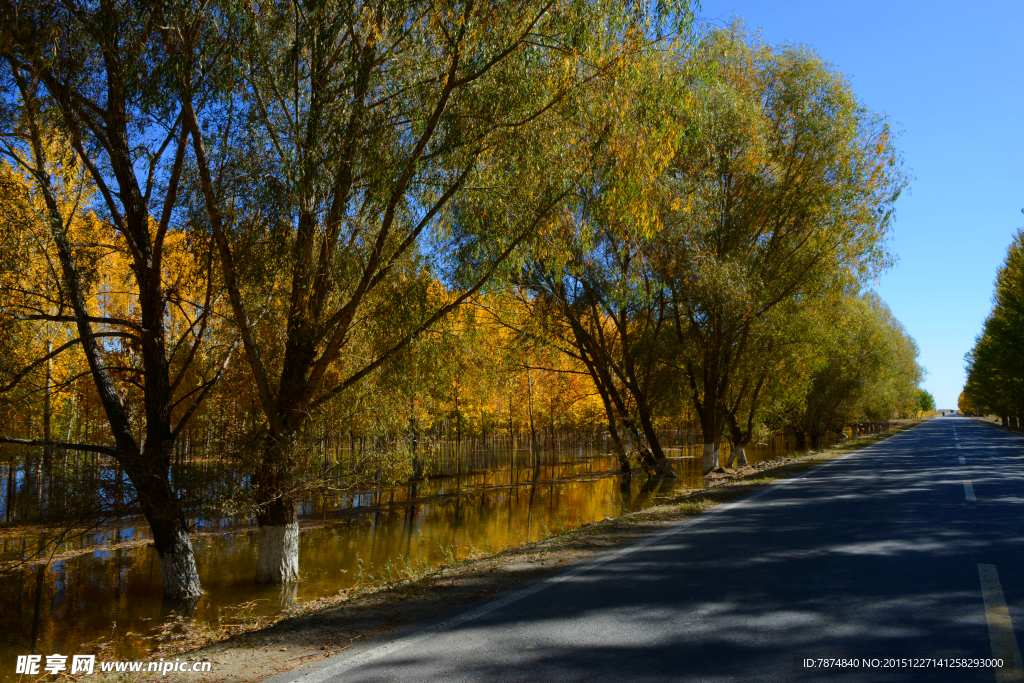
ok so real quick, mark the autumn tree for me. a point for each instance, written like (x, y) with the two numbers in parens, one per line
(924, 402)
(965, 404)
(592, 277)
(786, 195)
(773, 377)
(363, 139)
(95, 77)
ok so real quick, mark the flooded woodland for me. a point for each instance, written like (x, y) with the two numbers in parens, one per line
(109, 600)
(256, 350)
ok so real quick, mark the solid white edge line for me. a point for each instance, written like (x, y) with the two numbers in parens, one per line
(366, 656)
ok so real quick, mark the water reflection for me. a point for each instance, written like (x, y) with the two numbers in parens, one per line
(109, 602)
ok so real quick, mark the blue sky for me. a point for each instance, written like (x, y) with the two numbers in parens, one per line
(951, 78)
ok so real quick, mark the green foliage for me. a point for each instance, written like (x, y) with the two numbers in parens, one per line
(995, 366)
(924, 401)
(781, 204)
(868, 372)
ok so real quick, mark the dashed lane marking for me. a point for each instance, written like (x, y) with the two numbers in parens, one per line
(962, 461)
(1000, 627)
(969, 491)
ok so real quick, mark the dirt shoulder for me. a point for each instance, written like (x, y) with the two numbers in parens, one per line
(323, 628)
(993, 421)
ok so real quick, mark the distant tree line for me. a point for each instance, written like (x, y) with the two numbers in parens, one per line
(995, 366)
(301, 240)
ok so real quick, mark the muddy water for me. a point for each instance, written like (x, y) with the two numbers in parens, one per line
(107, 601)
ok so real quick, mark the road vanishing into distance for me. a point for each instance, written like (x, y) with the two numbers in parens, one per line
(908, 549)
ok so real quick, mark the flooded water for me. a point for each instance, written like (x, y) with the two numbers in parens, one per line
(108, 601)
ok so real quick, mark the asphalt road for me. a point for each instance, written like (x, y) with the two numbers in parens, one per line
(879, 553)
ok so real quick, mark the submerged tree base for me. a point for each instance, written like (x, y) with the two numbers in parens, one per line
(737, 456)
(710, 457)
(278, 554)
(178, 568)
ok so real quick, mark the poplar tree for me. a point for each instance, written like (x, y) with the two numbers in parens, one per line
(995, 365)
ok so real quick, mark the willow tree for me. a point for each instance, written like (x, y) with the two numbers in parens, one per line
(361, 142)
(772, 378)
(868, 370)
(618, 340)
(592, 277)
(94, 76)
(787, 194)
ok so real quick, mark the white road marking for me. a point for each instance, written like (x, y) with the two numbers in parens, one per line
(962, 461)
(969, 491)
(1000, 627)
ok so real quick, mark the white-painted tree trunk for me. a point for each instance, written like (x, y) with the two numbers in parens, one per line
(737, 455)
(277, 559)
(710, 457)
(178, 570)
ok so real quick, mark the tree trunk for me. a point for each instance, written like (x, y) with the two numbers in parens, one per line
(651, 462)
(177, 561)
(277, 516)
(47, 415)
(738, 438)
(9, 500)
(737, 455)
(711, 428)
(710, 457)
(659, 465)
(657, 456)
(277, 558)
(594, 355)
(167, 522)
(710, 413)
(616, 442)
(533, 430)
